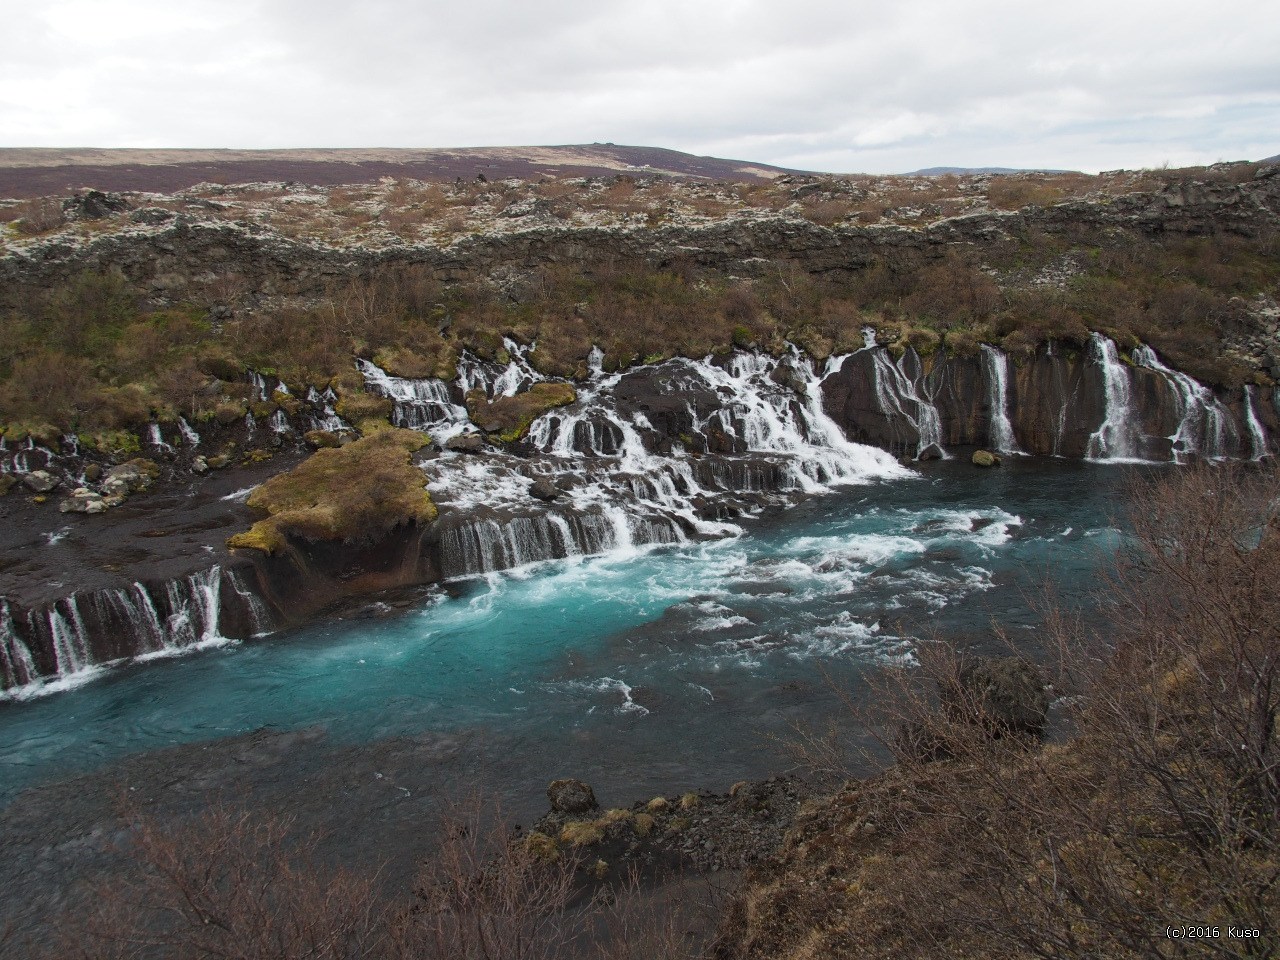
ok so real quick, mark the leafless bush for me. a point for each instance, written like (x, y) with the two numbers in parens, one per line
(1155, 807)
(232, 884)
(34, 217)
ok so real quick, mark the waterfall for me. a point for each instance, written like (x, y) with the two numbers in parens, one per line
(895, 391)
(17, 668)
(1257, 436)
(633, 486)
(156, 438)
(1205, 426)
(423, 405)
(1116, 438)
(70, 643)
(517, 375)
(259, 383)
(128, 622)
(995, 367)
(188, 435)
(328, 418)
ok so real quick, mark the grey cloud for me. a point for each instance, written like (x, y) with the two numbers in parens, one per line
(816, 84)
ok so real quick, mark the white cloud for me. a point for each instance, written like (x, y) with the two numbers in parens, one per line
(827, 85)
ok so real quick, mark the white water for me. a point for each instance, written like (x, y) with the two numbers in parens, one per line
(184, 618)
(423, 405)
(1257, 436)
(622, 495)
(156, 439)
(17, 668)
(328, 418)
(897, 394)
(1205, 427)
(188, 434)
(995, 367)
(1116, 439)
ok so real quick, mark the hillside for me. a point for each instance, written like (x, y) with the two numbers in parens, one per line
(26, 173)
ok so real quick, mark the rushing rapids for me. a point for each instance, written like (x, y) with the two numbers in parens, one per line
(668, 453)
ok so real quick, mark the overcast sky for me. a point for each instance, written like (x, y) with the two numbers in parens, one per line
(838, 86)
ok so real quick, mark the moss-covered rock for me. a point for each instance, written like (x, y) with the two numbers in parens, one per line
(229, 412)
(261, 409)
(7, 483)
(346, 493)
(509, 417)
(371, 426)
(321, 439)
(287, 402)
(113, 442)
(582, 833)
(354, 407)
(985, 458)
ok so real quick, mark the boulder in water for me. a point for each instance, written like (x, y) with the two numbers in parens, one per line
(465, 443)
(543, 489)
(985, 458)
(571, 796)
(84, 500)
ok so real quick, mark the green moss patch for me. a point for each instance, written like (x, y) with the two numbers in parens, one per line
(509, 417)
(345, 493)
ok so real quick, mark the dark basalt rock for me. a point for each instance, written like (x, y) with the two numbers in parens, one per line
(1004, 695)
(571, 796)
(465, 443)
(93, 205)
(543, 489)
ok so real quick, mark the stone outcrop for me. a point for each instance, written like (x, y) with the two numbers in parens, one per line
(164, 254)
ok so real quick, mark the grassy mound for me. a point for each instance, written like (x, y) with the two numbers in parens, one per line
(344, 493)
(509, 417)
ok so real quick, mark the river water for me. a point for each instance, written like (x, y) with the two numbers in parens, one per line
(643, 671)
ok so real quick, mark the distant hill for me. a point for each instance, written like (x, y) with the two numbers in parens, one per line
(969, 171)
(1275, 159)
(43, 172)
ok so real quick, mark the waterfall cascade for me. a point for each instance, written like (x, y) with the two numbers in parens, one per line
(623, 482)
(1117, 437)
(183, 614)
(898, 395)
(1257, 436)
(1205, 427)
(424, 405)
(995, 368)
